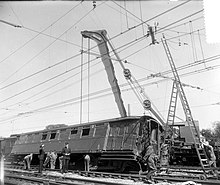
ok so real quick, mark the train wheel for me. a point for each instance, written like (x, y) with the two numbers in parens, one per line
(202, 177)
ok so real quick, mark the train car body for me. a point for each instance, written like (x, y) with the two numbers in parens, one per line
(6, 145)
(116, 138)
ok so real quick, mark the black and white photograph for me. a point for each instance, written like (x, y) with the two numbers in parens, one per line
(110, 92)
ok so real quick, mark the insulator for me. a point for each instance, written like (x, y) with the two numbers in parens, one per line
(147, 104)
(127, 73)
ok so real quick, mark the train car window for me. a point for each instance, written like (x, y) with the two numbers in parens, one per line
(36, 137)
(126, 130)
(113, 131)
(53, 135)
(63, 134)
(29, 138)
(85, 131)
(132, 129)
(74, 131)
(120, 131)
(100, 125)
(23, 139)
(44, 136)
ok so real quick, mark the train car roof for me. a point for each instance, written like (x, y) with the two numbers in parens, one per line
(86, 124)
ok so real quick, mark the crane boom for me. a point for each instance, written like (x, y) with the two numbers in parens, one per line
(100, 39)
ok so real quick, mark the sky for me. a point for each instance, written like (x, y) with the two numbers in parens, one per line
(45, 79)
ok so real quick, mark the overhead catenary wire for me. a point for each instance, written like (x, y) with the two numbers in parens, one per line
(161, 74)
(41, 51)
(38, 34)
(9, 4)
(77, 55)
(68, 101)
(71, 102)
(43, 82)
(40, 84)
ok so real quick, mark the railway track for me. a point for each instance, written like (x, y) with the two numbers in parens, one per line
(53, 177)
(172, 174)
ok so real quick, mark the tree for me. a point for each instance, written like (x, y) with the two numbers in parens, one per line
(207, 133)
(212, 135)
(216, 126)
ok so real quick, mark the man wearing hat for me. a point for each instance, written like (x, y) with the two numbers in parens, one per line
(41, 158)
(66, 151)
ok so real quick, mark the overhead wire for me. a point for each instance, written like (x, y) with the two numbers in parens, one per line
(158, 15)
(38, 34)
(15, 13)
(56, 76)
(70, 57)
(30, 60)
(68, 102)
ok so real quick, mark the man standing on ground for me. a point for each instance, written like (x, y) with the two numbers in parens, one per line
(41, 158)
(66, 151)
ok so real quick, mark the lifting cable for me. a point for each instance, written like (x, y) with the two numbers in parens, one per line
(141, 16)
(126, 14)
(88, 76)
(201, 49)
(81, 81)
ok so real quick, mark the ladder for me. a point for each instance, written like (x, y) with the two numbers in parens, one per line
(203, 159)
(172, 110)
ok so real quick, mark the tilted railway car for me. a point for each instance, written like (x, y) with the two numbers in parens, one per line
(6, 144)
(112, 144)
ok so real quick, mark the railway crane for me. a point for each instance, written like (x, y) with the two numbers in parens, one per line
(147, 138)
(100, 37)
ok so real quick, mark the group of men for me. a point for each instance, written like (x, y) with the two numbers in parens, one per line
(51, 158)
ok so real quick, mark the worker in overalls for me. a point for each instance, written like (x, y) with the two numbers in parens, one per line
(47, 160)
(86, 162)
(53, 158)
(150, 159)
(27, 161)
(61, 162)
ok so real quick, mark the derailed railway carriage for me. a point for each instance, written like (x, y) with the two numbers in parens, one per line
(112, 144)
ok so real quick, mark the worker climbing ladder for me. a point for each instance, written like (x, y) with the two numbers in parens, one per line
(178, 89)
